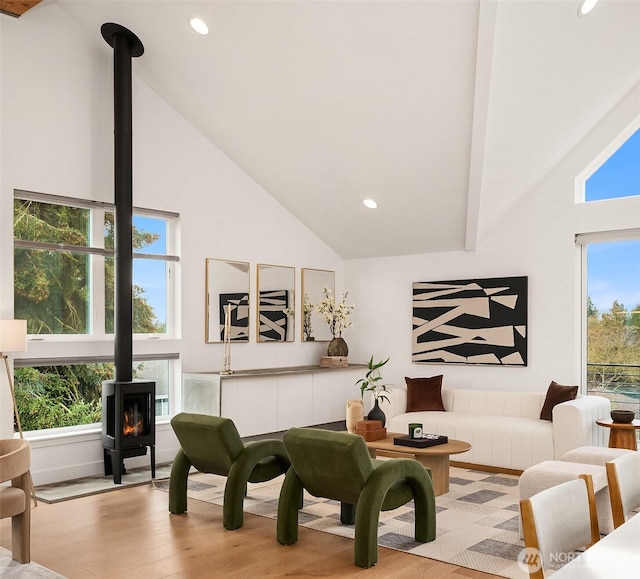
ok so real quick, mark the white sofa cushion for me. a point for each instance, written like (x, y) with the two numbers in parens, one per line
(506, 441)
(494, 403)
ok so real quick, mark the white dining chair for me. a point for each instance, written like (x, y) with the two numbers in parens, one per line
(557, 521)
(623, 476)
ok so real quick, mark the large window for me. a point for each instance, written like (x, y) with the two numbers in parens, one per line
(64, 287)
(64, 266)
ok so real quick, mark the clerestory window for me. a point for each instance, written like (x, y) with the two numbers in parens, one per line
(617, 175)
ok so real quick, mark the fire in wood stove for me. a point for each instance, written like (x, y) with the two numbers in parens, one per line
(135, 421)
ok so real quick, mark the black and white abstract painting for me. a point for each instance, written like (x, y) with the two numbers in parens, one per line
(476, 321)
(273, 317)
(239, 326)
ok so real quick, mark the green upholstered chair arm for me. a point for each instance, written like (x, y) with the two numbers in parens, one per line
(269, 457)
(178, 483)
(410, 476)
(290, 499)
(392, 484)
(259, 461)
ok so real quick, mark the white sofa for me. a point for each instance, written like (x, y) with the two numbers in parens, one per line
(503, 427)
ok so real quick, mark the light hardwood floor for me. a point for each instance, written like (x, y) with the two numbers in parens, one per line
(130, 533)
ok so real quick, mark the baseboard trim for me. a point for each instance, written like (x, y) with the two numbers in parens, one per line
(469, 465)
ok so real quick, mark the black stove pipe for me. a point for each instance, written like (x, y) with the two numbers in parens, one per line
(126, 45)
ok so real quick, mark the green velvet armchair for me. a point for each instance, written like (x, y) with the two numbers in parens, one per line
(337, 465)
(212, 444)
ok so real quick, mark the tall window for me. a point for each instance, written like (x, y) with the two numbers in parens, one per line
(613, 322)
(64, 287)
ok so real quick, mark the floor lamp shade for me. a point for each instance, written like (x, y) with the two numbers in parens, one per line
(13, 336)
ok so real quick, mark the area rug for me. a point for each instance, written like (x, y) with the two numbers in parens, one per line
(93, 485)
(10, 568)
(476, 521)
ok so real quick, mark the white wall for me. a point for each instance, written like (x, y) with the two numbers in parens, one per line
(57, 137)
(522, 232)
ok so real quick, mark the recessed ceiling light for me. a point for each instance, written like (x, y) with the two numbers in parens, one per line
(199, 26)
(370, 203)
(586, 6)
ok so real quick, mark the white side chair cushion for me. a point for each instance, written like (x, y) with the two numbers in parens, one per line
(562, 519)
(627, 473)
(554, 472)
(598, 455)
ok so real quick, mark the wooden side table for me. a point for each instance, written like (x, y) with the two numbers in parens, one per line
(621, 435)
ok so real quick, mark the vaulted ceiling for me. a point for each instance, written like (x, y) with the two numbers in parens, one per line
(421, 105)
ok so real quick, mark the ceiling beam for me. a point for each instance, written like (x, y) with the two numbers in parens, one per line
(484, 63)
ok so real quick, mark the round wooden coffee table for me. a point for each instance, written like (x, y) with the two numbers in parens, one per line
(435, 458)
(621, 435)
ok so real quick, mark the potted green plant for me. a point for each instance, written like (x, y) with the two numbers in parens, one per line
(372, 382)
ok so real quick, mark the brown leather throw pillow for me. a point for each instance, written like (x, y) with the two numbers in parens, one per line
(556, 394)
(424, 394)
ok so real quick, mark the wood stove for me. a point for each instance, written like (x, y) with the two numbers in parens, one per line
(128, 424)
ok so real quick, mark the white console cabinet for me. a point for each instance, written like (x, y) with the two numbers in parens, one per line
(274, 399)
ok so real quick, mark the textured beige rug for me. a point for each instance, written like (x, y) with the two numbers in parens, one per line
(477, 520)
(12, 569)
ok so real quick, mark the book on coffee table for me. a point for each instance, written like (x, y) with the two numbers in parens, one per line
(424, 442)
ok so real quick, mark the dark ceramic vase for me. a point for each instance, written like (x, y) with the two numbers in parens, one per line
(376, 413)
(338, 347)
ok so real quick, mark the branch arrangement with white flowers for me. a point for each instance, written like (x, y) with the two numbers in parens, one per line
(307, 309)
(336, 315)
